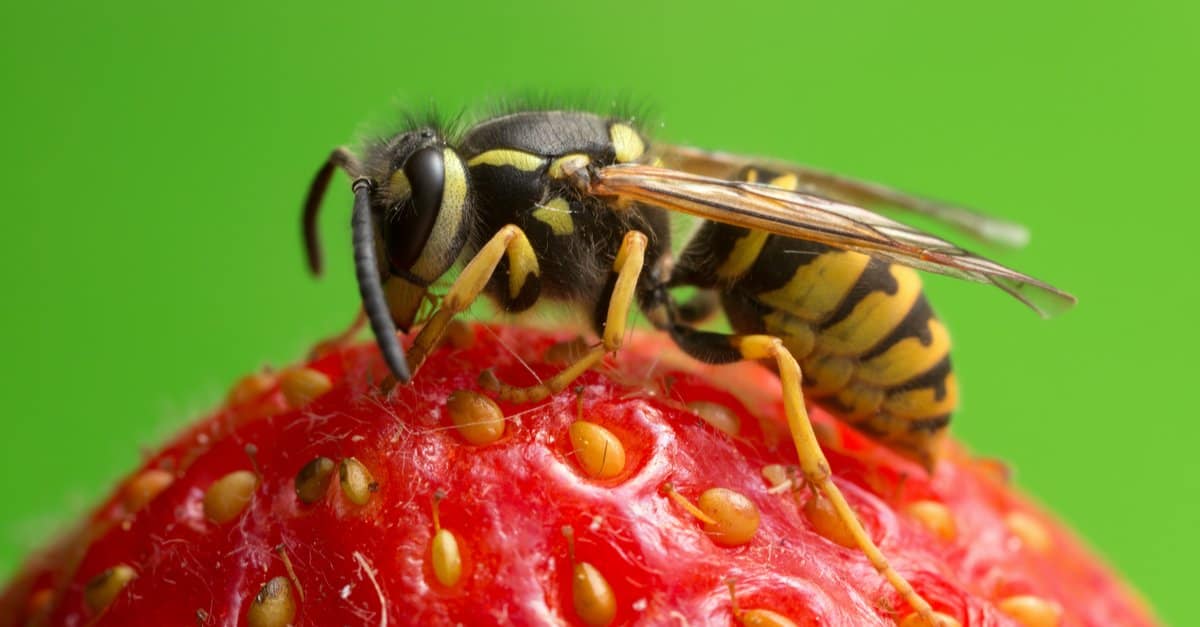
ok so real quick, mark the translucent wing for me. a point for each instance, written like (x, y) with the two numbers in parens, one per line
(815, 218)
(864, 193)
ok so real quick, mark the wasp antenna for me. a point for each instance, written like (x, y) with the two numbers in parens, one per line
(370, 284)
(339, 158)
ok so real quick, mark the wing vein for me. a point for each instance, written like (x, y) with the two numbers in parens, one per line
(805, 216)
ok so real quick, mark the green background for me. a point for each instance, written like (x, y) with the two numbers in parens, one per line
(155, 158)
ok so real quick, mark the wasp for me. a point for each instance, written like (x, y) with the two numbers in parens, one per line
(574, 206)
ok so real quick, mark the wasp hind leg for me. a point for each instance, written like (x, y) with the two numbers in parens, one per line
(722, 348)
(628, 267)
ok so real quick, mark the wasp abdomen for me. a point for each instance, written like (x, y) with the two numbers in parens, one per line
(870, 347)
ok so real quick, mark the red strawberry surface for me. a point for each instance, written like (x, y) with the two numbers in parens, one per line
(309, 499)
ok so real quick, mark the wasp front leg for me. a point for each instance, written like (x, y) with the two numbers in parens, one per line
(511, 242)
(721, 348)
(627, 268)
(341, 340)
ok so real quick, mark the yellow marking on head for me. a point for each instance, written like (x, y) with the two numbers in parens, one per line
(507, 157)
(556, 214)
(454, 190)
(751, 175)
(432, 262)
(923, 402)
(745, 252)
(570, 162)
(786, 181)
(873, 317)
(906, 358)
(818, 287)
(398, 186)
(522, 262)
(627, 143)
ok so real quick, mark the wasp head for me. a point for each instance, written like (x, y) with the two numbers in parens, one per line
(421, 205)
(411, 219)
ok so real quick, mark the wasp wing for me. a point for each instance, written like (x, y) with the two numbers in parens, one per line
(849, 190)
(815, 218)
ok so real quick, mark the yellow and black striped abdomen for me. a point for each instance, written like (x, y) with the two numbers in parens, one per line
(870, 347)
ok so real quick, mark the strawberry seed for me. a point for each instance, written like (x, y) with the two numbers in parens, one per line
(718, 416)
(477, 417)
(933, 516)
(229, 495)
(143, 488)
(273, 606)
(1031, 611)
(598, 451)
(735, 517)
(1031, 532)
(824, 519)
(302, 386)
(595, 603)
(357, 482)
(447, 561)
(312, 482)
(103, 588)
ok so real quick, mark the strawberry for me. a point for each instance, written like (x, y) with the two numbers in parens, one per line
(650, 493)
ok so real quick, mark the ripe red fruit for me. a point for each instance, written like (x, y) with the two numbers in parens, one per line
(312, 499)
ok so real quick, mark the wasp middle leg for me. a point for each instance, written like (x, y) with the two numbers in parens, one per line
(627, 267)
(712, 347)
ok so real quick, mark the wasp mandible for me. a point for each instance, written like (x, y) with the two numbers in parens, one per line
(574, 206)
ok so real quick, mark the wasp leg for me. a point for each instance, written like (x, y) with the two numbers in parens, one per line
(720, 348)
(628, 267)
(699, 308)
(509, 241)
(341, 340)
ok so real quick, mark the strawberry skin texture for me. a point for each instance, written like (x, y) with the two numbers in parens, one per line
(506, 503)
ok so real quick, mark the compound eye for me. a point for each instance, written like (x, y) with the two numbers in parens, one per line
(407, 233)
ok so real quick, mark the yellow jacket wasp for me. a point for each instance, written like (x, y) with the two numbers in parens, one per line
(575, 206)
